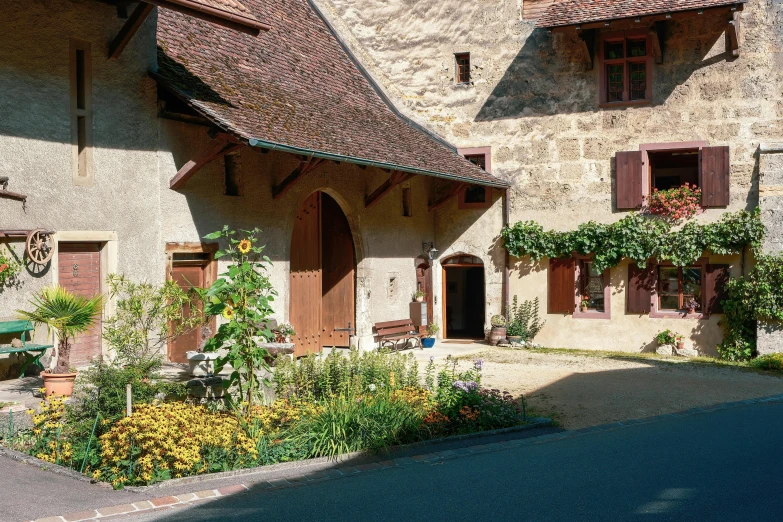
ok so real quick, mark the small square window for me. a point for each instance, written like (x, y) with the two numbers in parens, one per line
(407, 209)
(677, 286)
(613, 50)
(480, 160)
(626, 67)
(463, 67)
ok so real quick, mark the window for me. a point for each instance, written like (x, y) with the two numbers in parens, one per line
(674, 168)
(476, 196)
(81, 112)
(480, 160)
(591, 286)
(626, 60)
(407, 209)
(678, 286)
(462, 67)
(233, 174)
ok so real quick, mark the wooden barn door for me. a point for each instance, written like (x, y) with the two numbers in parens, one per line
(322, 276)
(187, 276)
(337, 310)
(79, 271)
(305, 295)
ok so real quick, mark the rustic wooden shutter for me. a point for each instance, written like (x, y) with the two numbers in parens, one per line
(715, 288)
(629, 179)
(714, 177)
(640, 286)
(562, 286)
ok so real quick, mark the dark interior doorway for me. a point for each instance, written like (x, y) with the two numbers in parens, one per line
(463, 281)
(673, 168)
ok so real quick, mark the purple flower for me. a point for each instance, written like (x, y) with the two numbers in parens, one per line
(478, 364)
(466, 386)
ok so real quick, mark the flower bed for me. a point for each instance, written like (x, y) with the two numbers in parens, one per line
(326, 406)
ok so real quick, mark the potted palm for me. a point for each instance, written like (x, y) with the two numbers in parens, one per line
(68, 315)
(429, 341)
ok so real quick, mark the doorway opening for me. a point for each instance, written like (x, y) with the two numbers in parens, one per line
(463, 297)
(323, 270)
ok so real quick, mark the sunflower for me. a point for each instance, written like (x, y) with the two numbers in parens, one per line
(244, 246)
(228, 313)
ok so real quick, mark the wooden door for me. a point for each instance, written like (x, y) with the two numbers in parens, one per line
(186, 276)
(337, 307)
(305, 293)
(79, 271)
(424, 283)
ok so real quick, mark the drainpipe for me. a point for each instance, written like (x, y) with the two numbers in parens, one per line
(506, 272)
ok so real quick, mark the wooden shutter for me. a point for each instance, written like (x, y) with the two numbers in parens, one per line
(562, 286)
(715, 288)
(629, 179)
(714, 177)
(640, 286)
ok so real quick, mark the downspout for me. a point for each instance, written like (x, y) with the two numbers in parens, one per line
(506, 269)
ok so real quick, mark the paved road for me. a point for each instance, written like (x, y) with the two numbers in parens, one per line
(720, 466)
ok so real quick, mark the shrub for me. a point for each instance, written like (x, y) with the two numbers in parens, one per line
(498, 321)
(524, 320)
(772, 361)
(318, 377)
(667, 338)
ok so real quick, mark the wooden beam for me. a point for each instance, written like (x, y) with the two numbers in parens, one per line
(395, 179)
(621, 23)
(129, 29)
(455, 189)
(12, 195)
(733, 36)
(221, 145)
(304, 168)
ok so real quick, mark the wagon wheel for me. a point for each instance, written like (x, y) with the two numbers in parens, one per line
(39, 246)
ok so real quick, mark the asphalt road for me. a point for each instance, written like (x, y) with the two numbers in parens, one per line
(719, 466)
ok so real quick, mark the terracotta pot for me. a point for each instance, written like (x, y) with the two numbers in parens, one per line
(59, 383)
(420, 299)
(680, 345)
(583, 308)
(497, 334)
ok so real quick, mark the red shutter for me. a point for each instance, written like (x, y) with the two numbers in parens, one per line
(714, 178)
(715, 288)
(629, 179)
(640, 286)
(562, 286)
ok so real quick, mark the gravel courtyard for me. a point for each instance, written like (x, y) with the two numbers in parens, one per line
(580, 391)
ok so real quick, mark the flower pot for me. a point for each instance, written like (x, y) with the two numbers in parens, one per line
(428, 342)
(515, 339)
(680, 345)
(583, 308)
(201, 364)
(497, 334)
(419, 299)
(58, 383)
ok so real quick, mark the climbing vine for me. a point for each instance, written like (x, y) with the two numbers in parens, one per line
(637, 237)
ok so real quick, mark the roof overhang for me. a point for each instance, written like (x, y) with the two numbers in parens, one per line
(199, 9)
(645, 17)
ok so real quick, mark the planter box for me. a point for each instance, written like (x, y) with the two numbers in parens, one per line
(202, 364)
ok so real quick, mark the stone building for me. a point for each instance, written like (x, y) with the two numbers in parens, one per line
(130, 131)
(585, 106)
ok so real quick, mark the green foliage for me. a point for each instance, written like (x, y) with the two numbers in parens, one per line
(66, 313)
(317, 377)
(146, 318)
(433, 329)
(348, 424)
(243, 296)
(498, 321)
(756, 298)
(667, 338)
(636, 237)
(772, 361)
(524, 319)
(9, 267)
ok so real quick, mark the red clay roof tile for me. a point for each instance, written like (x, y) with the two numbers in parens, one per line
(295, 85)
(572, 12)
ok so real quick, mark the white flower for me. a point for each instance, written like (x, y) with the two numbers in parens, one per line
(372, 387)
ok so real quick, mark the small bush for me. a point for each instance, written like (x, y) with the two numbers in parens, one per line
(772, 361)
(524, 320)
(318, 377)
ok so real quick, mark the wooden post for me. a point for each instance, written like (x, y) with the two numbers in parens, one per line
(128, 395)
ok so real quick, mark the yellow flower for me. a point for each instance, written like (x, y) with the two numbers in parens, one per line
(244, 246)
(228, 313)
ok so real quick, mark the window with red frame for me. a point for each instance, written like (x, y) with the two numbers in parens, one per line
(592, 286)
(677, 286)
(463, 67)
(626, 60)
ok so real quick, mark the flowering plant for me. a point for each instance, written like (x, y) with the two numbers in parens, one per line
(676, 203)
(283, 332)
(666, 338)
(692, 305)
(8, 267)
(243, 296)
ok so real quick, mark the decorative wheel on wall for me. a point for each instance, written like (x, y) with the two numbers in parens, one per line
(40, 248)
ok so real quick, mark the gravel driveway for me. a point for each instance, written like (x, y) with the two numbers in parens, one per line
(580, 391)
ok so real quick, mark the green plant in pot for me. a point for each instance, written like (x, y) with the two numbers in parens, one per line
(418, 296)
(68, 315)
(432, 331)
(524, 322)
(498, 332)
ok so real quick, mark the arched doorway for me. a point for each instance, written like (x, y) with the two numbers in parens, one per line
(463, 297)
(322, 307)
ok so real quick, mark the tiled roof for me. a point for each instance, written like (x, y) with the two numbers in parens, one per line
(572, 12)
(229, 10)
(296, 86)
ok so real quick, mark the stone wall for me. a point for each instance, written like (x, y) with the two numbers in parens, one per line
(770, 335)
(533, 101)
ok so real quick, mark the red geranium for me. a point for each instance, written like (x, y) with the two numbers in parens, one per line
(676, 203)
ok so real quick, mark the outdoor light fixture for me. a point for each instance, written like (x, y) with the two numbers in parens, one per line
(430, 250)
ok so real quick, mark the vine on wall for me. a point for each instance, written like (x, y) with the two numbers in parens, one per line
(637, 237)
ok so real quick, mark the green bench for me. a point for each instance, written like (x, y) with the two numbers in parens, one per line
(28, 349)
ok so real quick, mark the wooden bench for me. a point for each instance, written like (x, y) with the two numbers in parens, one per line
(394, 332)
(28, 349)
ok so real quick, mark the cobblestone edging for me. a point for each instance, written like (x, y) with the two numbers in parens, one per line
(295, 479)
